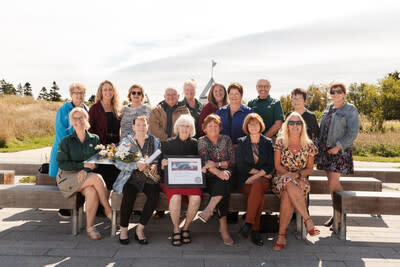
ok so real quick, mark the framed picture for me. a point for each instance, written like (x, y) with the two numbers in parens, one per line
(184, 171)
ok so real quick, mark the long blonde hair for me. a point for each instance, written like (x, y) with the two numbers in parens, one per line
(284, 132)
(116, 106)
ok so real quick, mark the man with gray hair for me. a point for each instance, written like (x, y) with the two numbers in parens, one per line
(164, 115)
(270, 109)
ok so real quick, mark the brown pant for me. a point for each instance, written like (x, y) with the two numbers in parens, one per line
(255, 201)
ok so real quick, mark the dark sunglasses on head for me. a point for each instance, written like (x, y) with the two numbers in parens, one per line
(295, 123)
(136, 93)
(338, 92)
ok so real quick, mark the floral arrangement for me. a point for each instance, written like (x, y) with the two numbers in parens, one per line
(121, 152)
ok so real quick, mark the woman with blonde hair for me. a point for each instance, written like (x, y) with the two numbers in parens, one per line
(104, 119)
(75, 175)
(294, 160)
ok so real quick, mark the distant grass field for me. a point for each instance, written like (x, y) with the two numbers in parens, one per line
(26, 123)
(29, 124)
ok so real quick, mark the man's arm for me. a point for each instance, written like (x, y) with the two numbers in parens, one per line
(274, 129)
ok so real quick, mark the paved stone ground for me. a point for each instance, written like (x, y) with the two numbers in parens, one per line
(31, 237)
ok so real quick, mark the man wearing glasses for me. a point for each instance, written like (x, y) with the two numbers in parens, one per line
(270, 109)
(165, 114)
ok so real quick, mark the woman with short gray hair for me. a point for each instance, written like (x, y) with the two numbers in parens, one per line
(182, 144)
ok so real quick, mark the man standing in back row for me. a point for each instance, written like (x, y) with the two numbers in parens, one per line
(270, 109)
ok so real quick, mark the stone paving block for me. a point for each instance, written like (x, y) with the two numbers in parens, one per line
(28, 261)
(170, 252)
(231, 255)
(32, 236)
(168, 262)
(9, 251)
(349, 256)
(79, 252)
(37, 244)
(371, 263)
(308, 263)
(227, 262)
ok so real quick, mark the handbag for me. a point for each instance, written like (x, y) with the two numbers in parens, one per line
(44, 168)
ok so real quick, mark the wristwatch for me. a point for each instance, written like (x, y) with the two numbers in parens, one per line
(219, 164)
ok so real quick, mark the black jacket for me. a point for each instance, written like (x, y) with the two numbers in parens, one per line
(245, 159)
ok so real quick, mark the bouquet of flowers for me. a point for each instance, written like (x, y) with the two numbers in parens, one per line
(121, 152)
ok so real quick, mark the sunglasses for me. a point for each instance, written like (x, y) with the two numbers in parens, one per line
(299, 123)
(338, 92)
(136, 93)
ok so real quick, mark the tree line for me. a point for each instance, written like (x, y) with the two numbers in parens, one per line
(378, 102)
(49, 95)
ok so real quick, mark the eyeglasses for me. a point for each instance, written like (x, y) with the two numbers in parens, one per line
(78, 93)
(185, 126)
(297, 98)
(338, 92)
(136, 93)
(299, 123)
(78, 118)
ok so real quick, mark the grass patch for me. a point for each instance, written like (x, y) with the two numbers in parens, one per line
(28, 179)
(28, 143)
(377, 159)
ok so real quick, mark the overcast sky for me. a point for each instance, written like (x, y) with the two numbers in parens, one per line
(163, 43)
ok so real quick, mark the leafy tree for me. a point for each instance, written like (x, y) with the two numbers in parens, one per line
(317, 96)
(92, 99)
(7, 88)
(27, 89)
(19, 90)
(43, 95)
(390, 93)
(54, 94)
(286, 103)
(395, 75)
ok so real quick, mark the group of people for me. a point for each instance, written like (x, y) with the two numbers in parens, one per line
(247, 148)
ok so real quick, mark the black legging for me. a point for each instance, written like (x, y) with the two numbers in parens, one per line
(152, 192)
(218, 187)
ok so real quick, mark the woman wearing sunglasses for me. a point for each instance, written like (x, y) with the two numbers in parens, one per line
(339, 129)
(293, 159)
(134, 109)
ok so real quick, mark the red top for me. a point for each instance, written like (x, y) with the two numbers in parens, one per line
(207, 110)
(98, 122)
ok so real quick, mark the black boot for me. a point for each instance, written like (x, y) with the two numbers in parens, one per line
(257, 238)
(245, 230)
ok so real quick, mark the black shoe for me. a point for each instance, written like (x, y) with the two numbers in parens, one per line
(245, 230)
(65, 214)
(256, 238)
(141, 241)
(137, 212)
(124, 241)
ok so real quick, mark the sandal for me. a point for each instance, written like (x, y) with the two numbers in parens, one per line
(176, 242)
(227, 241)
(329, 222)
(188, 238)
(314, 231)
(203, 217)
(92, 233)
(277, 246)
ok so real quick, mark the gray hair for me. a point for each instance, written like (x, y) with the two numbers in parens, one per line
(185, 119)
(83, 112)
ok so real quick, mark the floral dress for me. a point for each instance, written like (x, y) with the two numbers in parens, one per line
(342, 162)
(293, 162)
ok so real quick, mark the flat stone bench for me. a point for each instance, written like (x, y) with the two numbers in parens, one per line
(319, 185)
(383, 174)
(359, 202)
(45, 197)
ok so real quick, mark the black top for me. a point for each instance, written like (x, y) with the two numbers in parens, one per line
(169, 111)
(245, 158)
(112, 131)
(312, 124)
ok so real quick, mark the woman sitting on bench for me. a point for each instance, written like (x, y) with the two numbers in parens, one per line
(294, 160)
(75, 175)
(216, 150)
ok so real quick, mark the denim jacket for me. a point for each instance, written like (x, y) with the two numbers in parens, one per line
(343, 129)
(128, 168)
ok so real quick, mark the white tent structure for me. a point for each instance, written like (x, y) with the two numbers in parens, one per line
(204, 93)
